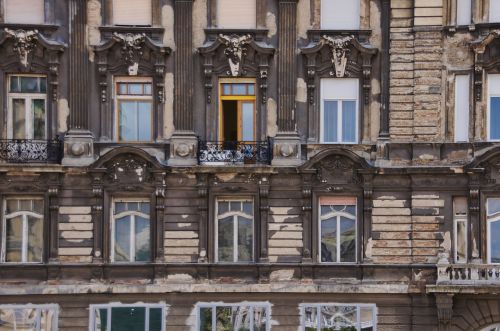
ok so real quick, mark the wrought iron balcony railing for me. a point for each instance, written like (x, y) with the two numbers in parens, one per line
(468, 274)
(30, 151)
(235, 152)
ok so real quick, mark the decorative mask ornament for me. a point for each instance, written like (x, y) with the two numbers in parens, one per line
(339, 46)
(235, 50)
(24, 43)
(131, 49)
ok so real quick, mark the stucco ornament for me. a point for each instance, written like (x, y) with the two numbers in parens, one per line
(235, 50)
(339, 47)
(131, 45)
(24, 43)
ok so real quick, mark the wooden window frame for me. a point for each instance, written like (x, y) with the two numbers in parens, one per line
(317, 306)
(215, 305)
(110, 306)
(24, 242)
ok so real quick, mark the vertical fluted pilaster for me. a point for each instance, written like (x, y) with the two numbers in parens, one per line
(79, 68)
(183, 71)
(384, 111)
(287, 64)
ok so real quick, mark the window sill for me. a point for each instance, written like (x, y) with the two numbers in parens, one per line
(47, 28)
(316, 34)
(258, 33)
(148, 30)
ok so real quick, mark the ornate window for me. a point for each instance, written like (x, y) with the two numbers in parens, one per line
(24, 11)
(339, 110)
(462, 108)
(134, 108)
(336, 316)
(137, 12)
(29, 317)
(237, 14)
(340, 15)
(460, 234)
(147, 317)
(22, 229)
(27, 100)
(131, 231)
(234, 230)
(338, 222)
(493, 229)
(494, 107)
(253, 316)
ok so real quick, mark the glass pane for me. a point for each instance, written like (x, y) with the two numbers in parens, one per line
(155, 319)
(260, 319)
(348, 121)
(122, 239)
(251, 89)
(330, 121)
(366, 319)
(37, 206)
(329, 240)
(144, 207)
(239, 89)
(128, 121)
(12, 206)
(101, 320)
(248, 207)
(205, 319)
(35, 239)
(350, 210)
(120, 207)
(147, 89)
(338, 318)
(493, 206)
(241, 318)
(461, 256)
(494, 242)
(495, 118)
(223, 319)
(14, 84)
(14, 239)
(142, 239)
(43, 85)
(247, 121)
(245, 239)
(223, 207)
(226, 240)
(311, 319)
(235, 206)
(135, 88)
(26, 204)
(144, 120)
(128, 318)
(347, 240)
(30, 85)
(226, 89)
(38, 106)
(48, 320)
(19, 118)
(122, 88)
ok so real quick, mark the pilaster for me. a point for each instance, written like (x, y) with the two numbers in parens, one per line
(444, 303)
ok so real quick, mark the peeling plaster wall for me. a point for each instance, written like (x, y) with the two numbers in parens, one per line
(271, 24)
(62, 115)
(199, 22)
(303, 18)
(94, 21)
(272, 117)
(168, 118)
(167, 21)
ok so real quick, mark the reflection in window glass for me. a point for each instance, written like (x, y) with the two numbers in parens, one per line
(131, 232)
(338, 232)
(494, 118)
(233, 317)
(460, 208)
(28, 317)
(493, 220)
(333, 317)
(339, 121)
(23, 219)
(234, 231)
(128, 317)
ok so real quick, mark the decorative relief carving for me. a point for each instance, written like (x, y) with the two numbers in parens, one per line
(128, 169)
(337, 170)
(131, 49)
(339, 46)
(24, 43)
(235, 51)
(486, 57)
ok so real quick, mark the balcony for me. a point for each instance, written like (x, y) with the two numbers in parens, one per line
(30, 151)
(468, 274)
(234, 152)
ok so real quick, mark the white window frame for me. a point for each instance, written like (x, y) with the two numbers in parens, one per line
(335, 26)
(117, 98)
(132, 215)
(338, 215)
(488, 234)
(493, 81)
(339, 99)
(235, 227)
(458, 218)
(24, 214)
(27, 97)
(5, 15)
(250, 304)
(109, 306)
(39, 308)
(304, 306)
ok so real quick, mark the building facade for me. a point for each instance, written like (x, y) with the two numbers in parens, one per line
(250, 165)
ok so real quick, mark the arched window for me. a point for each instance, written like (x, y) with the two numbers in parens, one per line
(493, 222)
